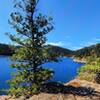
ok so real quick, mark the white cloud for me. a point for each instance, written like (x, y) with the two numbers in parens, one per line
(89, 43)
(75, 47)
(92, 42)
(97, 39)
(55, 43)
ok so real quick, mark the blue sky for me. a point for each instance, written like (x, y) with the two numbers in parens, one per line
(77, 22)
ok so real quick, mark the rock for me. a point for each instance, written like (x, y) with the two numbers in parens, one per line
(5, 97)
(74, 83)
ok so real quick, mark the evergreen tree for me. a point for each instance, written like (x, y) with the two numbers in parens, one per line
(31, 29)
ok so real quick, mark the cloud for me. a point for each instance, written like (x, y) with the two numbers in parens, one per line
(75, 47)
(55, 43)
(88, 43)
(97, 39)
(92, 42)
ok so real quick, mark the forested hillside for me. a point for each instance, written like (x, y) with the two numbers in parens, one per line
(85, 52)
(60, 50)
(6, 49)
(93, 50)
(9, 50)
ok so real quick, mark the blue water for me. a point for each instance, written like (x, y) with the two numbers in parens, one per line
(65, 70)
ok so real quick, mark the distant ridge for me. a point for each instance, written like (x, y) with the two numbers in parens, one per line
(93, 50)
(9, 50)
(6, 49)
(61, 51)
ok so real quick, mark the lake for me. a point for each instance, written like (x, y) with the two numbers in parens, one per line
(65, 70)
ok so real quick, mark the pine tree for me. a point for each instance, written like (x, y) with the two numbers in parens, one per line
(31, 29)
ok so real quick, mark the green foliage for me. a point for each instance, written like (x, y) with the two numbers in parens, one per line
(89, 71)
(31, 29)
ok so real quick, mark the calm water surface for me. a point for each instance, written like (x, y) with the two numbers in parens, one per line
(65, 70)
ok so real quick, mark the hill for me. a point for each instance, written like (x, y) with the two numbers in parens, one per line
(6, 49)
(60, 51)
(93, 50)
(9, 50)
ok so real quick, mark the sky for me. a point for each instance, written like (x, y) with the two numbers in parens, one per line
(76, 22)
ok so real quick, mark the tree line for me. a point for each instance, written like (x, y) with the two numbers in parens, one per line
(7, 50)
(93, 51)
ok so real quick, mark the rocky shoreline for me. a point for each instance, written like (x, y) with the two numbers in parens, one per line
(79, 61)
(80, 90)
